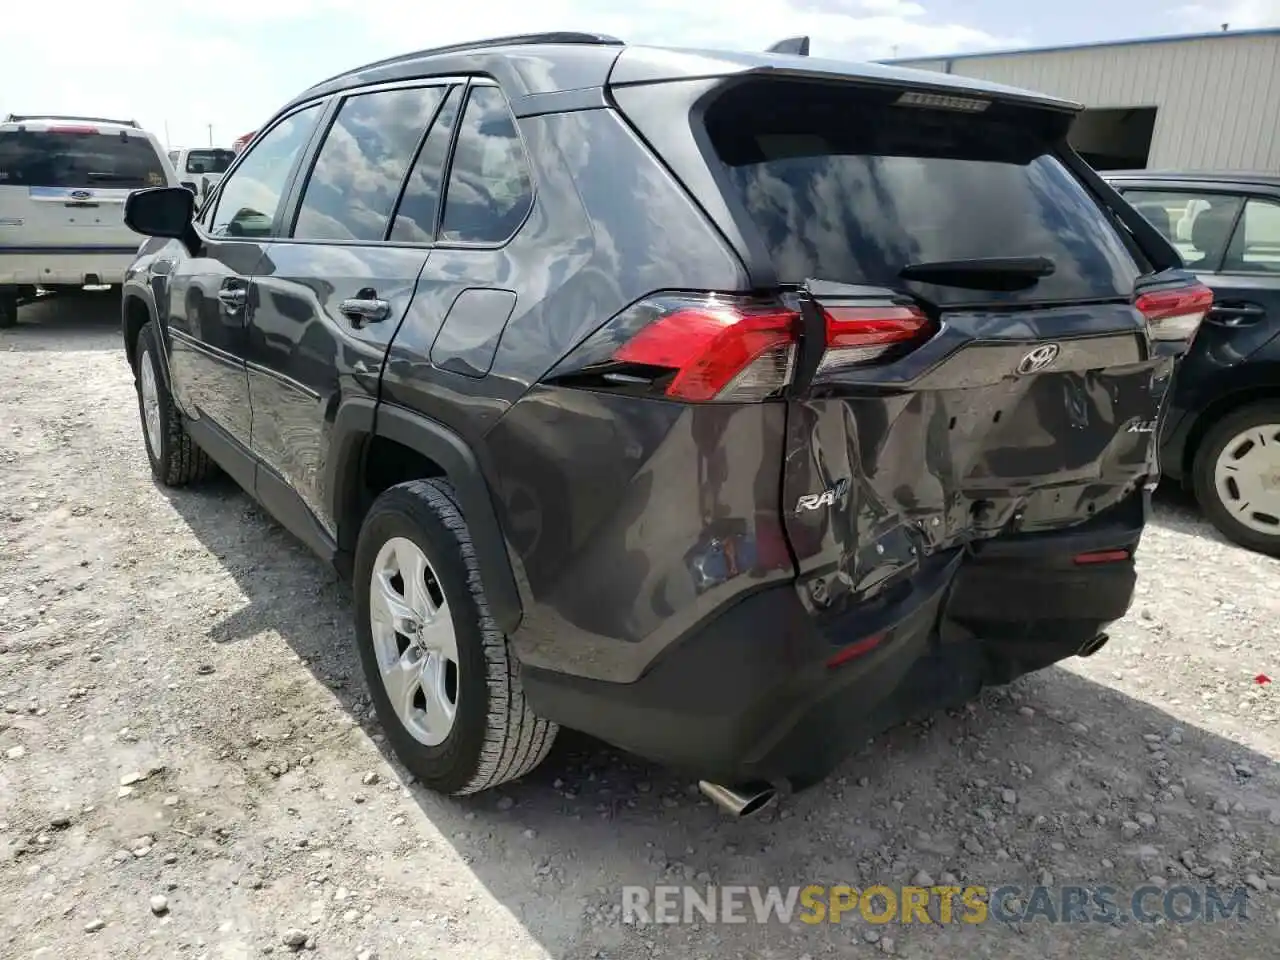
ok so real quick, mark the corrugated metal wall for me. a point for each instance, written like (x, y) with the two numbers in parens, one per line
(1218, 98)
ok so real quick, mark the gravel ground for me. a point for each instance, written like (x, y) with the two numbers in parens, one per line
(189, 766)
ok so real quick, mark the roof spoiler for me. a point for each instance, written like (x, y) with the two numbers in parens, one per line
(797, 46)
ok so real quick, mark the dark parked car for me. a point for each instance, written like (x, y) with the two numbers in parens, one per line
(729, 407)
(1221, 431)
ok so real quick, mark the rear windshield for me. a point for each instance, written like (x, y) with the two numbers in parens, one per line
(843, 183)
(74, 159)
(209, 161)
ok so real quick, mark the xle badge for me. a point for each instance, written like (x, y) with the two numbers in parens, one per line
(827, 498)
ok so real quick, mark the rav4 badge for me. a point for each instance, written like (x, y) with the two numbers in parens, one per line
(827, 498)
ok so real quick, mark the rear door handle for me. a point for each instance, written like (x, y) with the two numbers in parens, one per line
(365, 309)
(1236, 314)
(233, 297)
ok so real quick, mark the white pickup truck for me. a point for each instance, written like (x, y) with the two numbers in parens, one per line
(200, 168)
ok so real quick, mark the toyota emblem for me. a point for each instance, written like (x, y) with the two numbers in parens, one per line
(1039, 358)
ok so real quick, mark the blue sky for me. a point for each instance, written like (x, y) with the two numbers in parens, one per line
(187, 64)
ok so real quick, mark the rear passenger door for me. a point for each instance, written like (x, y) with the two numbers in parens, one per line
(332, 292)
(1251, 269)
(467, 292)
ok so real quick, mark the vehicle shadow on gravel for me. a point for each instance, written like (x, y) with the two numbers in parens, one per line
(1055, 779)
(84, 321)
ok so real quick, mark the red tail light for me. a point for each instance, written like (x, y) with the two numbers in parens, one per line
(1175, 314)
(719, 352)
(861, 334)
(721, 349)
(73, 129)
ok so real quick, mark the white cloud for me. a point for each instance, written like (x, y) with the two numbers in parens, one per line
(230, 63)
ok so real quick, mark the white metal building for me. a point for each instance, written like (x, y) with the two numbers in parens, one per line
(1204, 102)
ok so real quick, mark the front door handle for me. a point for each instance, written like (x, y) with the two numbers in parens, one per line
(1229, 314)
(233, 297)
(365, 308)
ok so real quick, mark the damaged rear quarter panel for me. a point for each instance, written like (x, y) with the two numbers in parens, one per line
(953, 445)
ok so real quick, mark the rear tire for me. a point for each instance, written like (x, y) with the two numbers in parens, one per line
(8, 311)
(480, 732)
(1237, 484)
(175, 458)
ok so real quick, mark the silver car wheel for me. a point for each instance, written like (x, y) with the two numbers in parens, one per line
(414, 640)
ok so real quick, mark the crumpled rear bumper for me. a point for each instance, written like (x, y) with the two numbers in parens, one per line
(761, 691)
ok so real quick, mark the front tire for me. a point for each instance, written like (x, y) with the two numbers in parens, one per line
(175, 458)
(443, 680)
(1236, 476)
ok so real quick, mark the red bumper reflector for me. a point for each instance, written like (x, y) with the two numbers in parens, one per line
(855, 650)
(1102, 556)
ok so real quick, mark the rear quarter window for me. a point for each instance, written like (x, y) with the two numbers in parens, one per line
(48, 158)
(841, 183)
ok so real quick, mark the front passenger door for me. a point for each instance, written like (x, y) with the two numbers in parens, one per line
(210, 298)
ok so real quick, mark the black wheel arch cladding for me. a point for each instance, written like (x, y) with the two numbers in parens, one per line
(359, 420)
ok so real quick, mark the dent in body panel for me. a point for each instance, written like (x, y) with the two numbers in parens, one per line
(964, 449)
(305, 356)
(633, 519)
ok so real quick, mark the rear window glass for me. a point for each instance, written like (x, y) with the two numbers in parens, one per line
(844, 184)
(209, 161)
(66, 159)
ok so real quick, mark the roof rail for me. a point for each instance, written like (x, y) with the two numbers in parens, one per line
(519, 39)
(799, 46)
(16, 118)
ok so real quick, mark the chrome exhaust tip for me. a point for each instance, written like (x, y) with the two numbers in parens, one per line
(1092, 645)
(741, 801)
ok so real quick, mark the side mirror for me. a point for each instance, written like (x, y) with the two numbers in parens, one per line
(163, 212)
(189, 185)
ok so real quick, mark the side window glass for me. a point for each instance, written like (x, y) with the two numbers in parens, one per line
(490, 190)
(415, 220)
(248, 199)
(362, 163)
(1199, 224)
(173, 157)
(1255, 248)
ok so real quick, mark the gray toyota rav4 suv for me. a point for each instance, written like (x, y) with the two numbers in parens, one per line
(729, 407)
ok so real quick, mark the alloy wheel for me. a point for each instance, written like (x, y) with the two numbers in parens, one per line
(414, 641)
